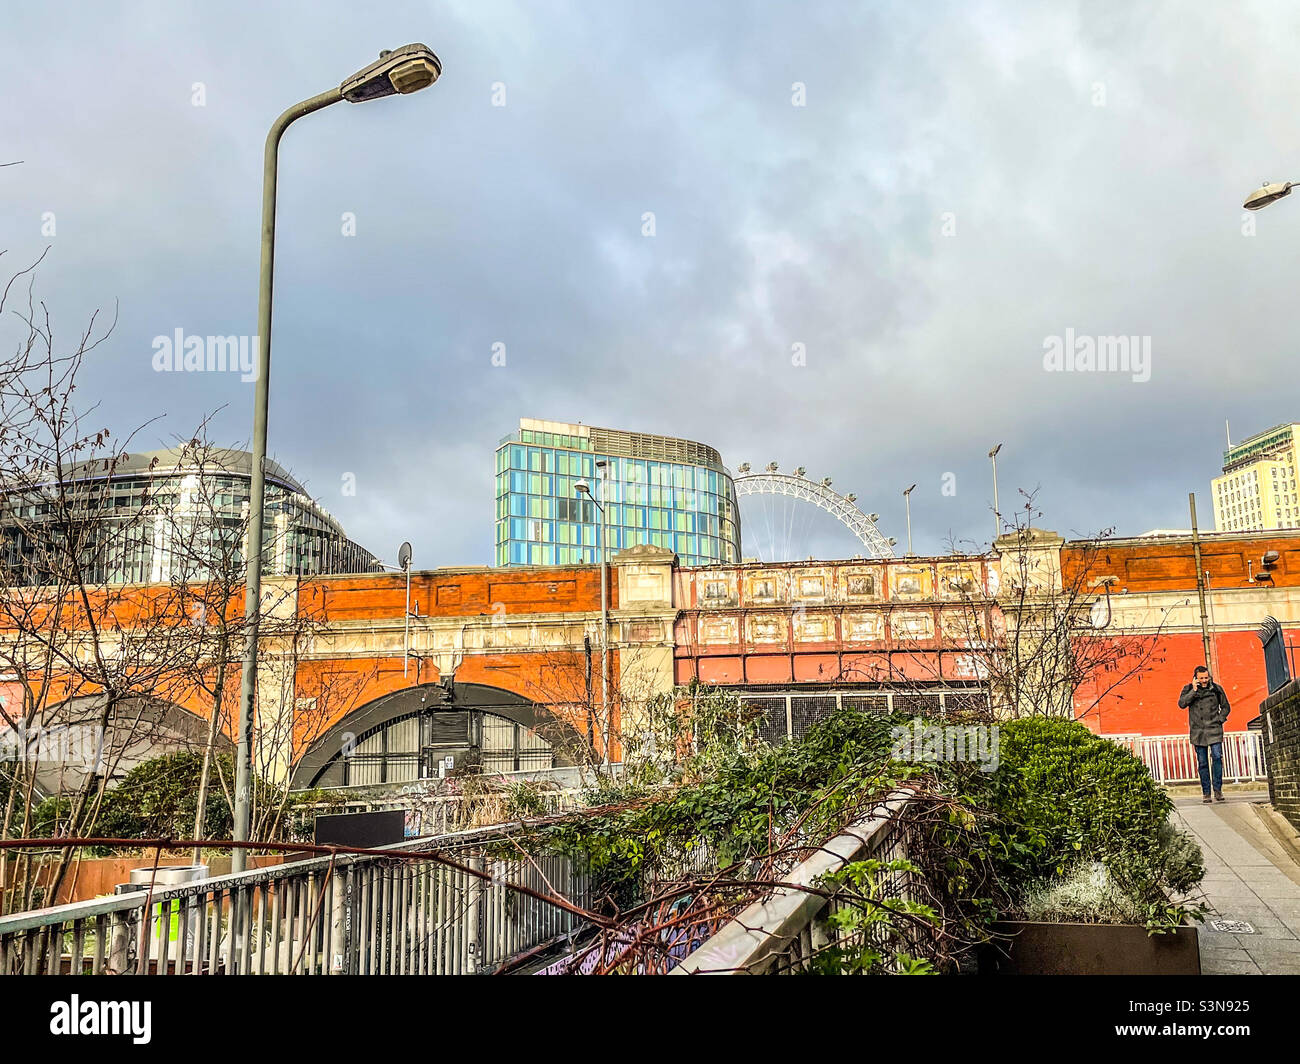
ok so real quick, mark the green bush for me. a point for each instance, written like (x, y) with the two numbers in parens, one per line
(49, 817)
(157, 798)
(749, 795)
(1074, 795)
(1066, 797)
(1062, 804)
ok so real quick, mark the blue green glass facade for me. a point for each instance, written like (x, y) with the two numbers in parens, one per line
(658, 490)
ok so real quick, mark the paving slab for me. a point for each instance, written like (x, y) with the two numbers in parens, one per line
(1251, 874)
(1212, 965)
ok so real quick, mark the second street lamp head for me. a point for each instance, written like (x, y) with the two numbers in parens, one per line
(407, 69)
(1262, 197)
(582, 487)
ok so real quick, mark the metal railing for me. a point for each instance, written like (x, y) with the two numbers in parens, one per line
(345, 914)
(1172, 758)
(438, 814)
(781, 933)
(1279, 661)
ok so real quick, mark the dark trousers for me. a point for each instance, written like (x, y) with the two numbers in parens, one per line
(1210, 758)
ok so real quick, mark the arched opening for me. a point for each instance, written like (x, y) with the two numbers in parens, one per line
(428, 731)
(66, 743)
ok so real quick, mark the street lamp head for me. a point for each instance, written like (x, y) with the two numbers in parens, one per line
(582, 487)
(994, 453)
(909, 491)
(404, 70)
(1262, 197)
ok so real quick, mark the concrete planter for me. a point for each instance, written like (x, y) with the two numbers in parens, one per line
(1089, 949)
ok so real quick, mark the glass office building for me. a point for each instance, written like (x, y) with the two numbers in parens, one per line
(655, 489)
(167, 515)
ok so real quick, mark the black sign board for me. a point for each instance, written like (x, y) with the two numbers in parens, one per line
(361, 829)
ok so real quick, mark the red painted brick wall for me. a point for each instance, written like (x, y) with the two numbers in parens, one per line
(1148, 705)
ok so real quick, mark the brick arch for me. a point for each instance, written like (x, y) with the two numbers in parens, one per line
(142, 728)
(550, 678)
(448, 696)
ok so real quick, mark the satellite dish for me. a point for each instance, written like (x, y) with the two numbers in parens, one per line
(404, 556)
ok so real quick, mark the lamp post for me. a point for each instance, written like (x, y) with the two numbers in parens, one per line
(404, 560)
(907, 498)
(1262, 197)
(404, 70)
(997, 514)
(583, 488)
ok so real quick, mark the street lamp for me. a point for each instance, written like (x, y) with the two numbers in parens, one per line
(907, 498)
(997, 514)
(583, 488)
(403, 70)
(1262, 197)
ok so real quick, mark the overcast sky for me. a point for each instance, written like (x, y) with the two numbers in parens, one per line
(953, 185)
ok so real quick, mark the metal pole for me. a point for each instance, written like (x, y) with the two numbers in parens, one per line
(257, 489)
(907, 499)
(1200, 578)
(406, 627)
(602, 532)
(997, 513)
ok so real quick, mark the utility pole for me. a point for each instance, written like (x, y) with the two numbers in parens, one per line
(1214, 646)
(1200, 579)
(602, 541)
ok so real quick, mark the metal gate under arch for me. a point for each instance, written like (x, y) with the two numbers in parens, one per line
(429, 731)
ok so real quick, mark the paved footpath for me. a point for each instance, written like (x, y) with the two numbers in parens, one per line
(1250, 875)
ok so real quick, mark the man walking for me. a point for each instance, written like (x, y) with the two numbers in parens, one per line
(1207, 709)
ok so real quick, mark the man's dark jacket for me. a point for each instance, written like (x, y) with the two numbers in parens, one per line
(1207, 709)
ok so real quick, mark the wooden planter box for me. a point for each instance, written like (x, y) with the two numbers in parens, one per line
(1089, 949)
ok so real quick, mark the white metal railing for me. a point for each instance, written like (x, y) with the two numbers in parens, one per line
(350, 914)
(1172, 758)
(780, 933)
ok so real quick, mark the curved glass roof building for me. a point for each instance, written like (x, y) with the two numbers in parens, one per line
(660, 490)
(180, 513)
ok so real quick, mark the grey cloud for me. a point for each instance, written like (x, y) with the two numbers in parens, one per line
(775, 225)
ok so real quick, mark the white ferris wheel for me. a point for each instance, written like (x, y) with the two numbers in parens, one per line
(778, 522)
